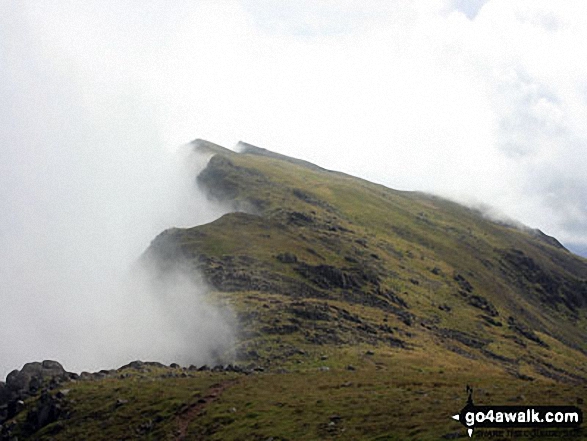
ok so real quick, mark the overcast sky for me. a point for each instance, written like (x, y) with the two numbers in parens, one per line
(484, 101)
(480, 101)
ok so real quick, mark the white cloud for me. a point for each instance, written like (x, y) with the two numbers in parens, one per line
(483, 102)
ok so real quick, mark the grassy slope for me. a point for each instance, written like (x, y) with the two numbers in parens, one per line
(392, 394)
(413, 292)
(417, 246)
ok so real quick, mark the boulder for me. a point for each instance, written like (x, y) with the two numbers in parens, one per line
(16, 381)
(287, 258)
(33, 369)
(4, 393)
(48, 409)
(27, 382)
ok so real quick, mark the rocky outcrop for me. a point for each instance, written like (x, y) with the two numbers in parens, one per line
(47, 410)
(29, 381)
(553, 288)
(524, 331)
(329, 277)
(225, 181)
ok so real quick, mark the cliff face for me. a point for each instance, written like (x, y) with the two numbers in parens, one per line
(351, 261)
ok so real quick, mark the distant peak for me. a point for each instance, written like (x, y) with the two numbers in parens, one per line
(245, 147)
(207, 147)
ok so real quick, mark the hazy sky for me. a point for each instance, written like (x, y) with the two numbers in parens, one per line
(481, 101)
(484, 101)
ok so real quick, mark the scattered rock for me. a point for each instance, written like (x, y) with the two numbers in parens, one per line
(393, 297)
(483, 304)
(137, 364)
(462, 337)
(63, 393)
(311, 311)
(18, 407)
(48, 409)
(328, 276)
(28, 382)
(523, 376)
(463, 283)
(145, 427)
(287, 258)
(524, 331)
(6, 431)
(154, 364)
(490, 320)
(361, 242)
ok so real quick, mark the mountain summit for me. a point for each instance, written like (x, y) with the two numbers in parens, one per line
(416, 270)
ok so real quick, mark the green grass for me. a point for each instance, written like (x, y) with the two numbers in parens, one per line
(421, 270)
(391, 394)
(123, 408)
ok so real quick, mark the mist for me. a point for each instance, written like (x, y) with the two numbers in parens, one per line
(73, 287)
(478, 101)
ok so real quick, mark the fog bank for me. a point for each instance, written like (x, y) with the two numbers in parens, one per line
(67, 289)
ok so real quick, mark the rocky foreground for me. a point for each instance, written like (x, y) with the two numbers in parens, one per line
(40, 390)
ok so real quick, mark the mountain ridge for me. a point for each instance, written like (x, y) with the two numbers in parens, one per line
(362, 311)
(232, 178)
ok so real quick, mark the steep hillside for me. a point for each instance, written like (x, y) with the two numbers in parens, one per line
(387, 267)
(363, 314)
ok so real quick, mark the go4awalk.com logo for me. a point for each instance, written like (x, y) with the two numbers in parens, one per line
(517, 417)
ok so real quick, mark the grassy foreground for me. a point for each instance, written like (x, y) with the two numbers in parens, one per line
(344, 393)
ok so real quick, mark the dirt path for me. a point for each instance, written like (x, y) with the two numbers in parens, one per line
(187, 416)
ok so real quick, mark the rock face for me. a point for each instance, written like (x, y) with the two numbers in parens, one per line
(47, 410)
(29, 381)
